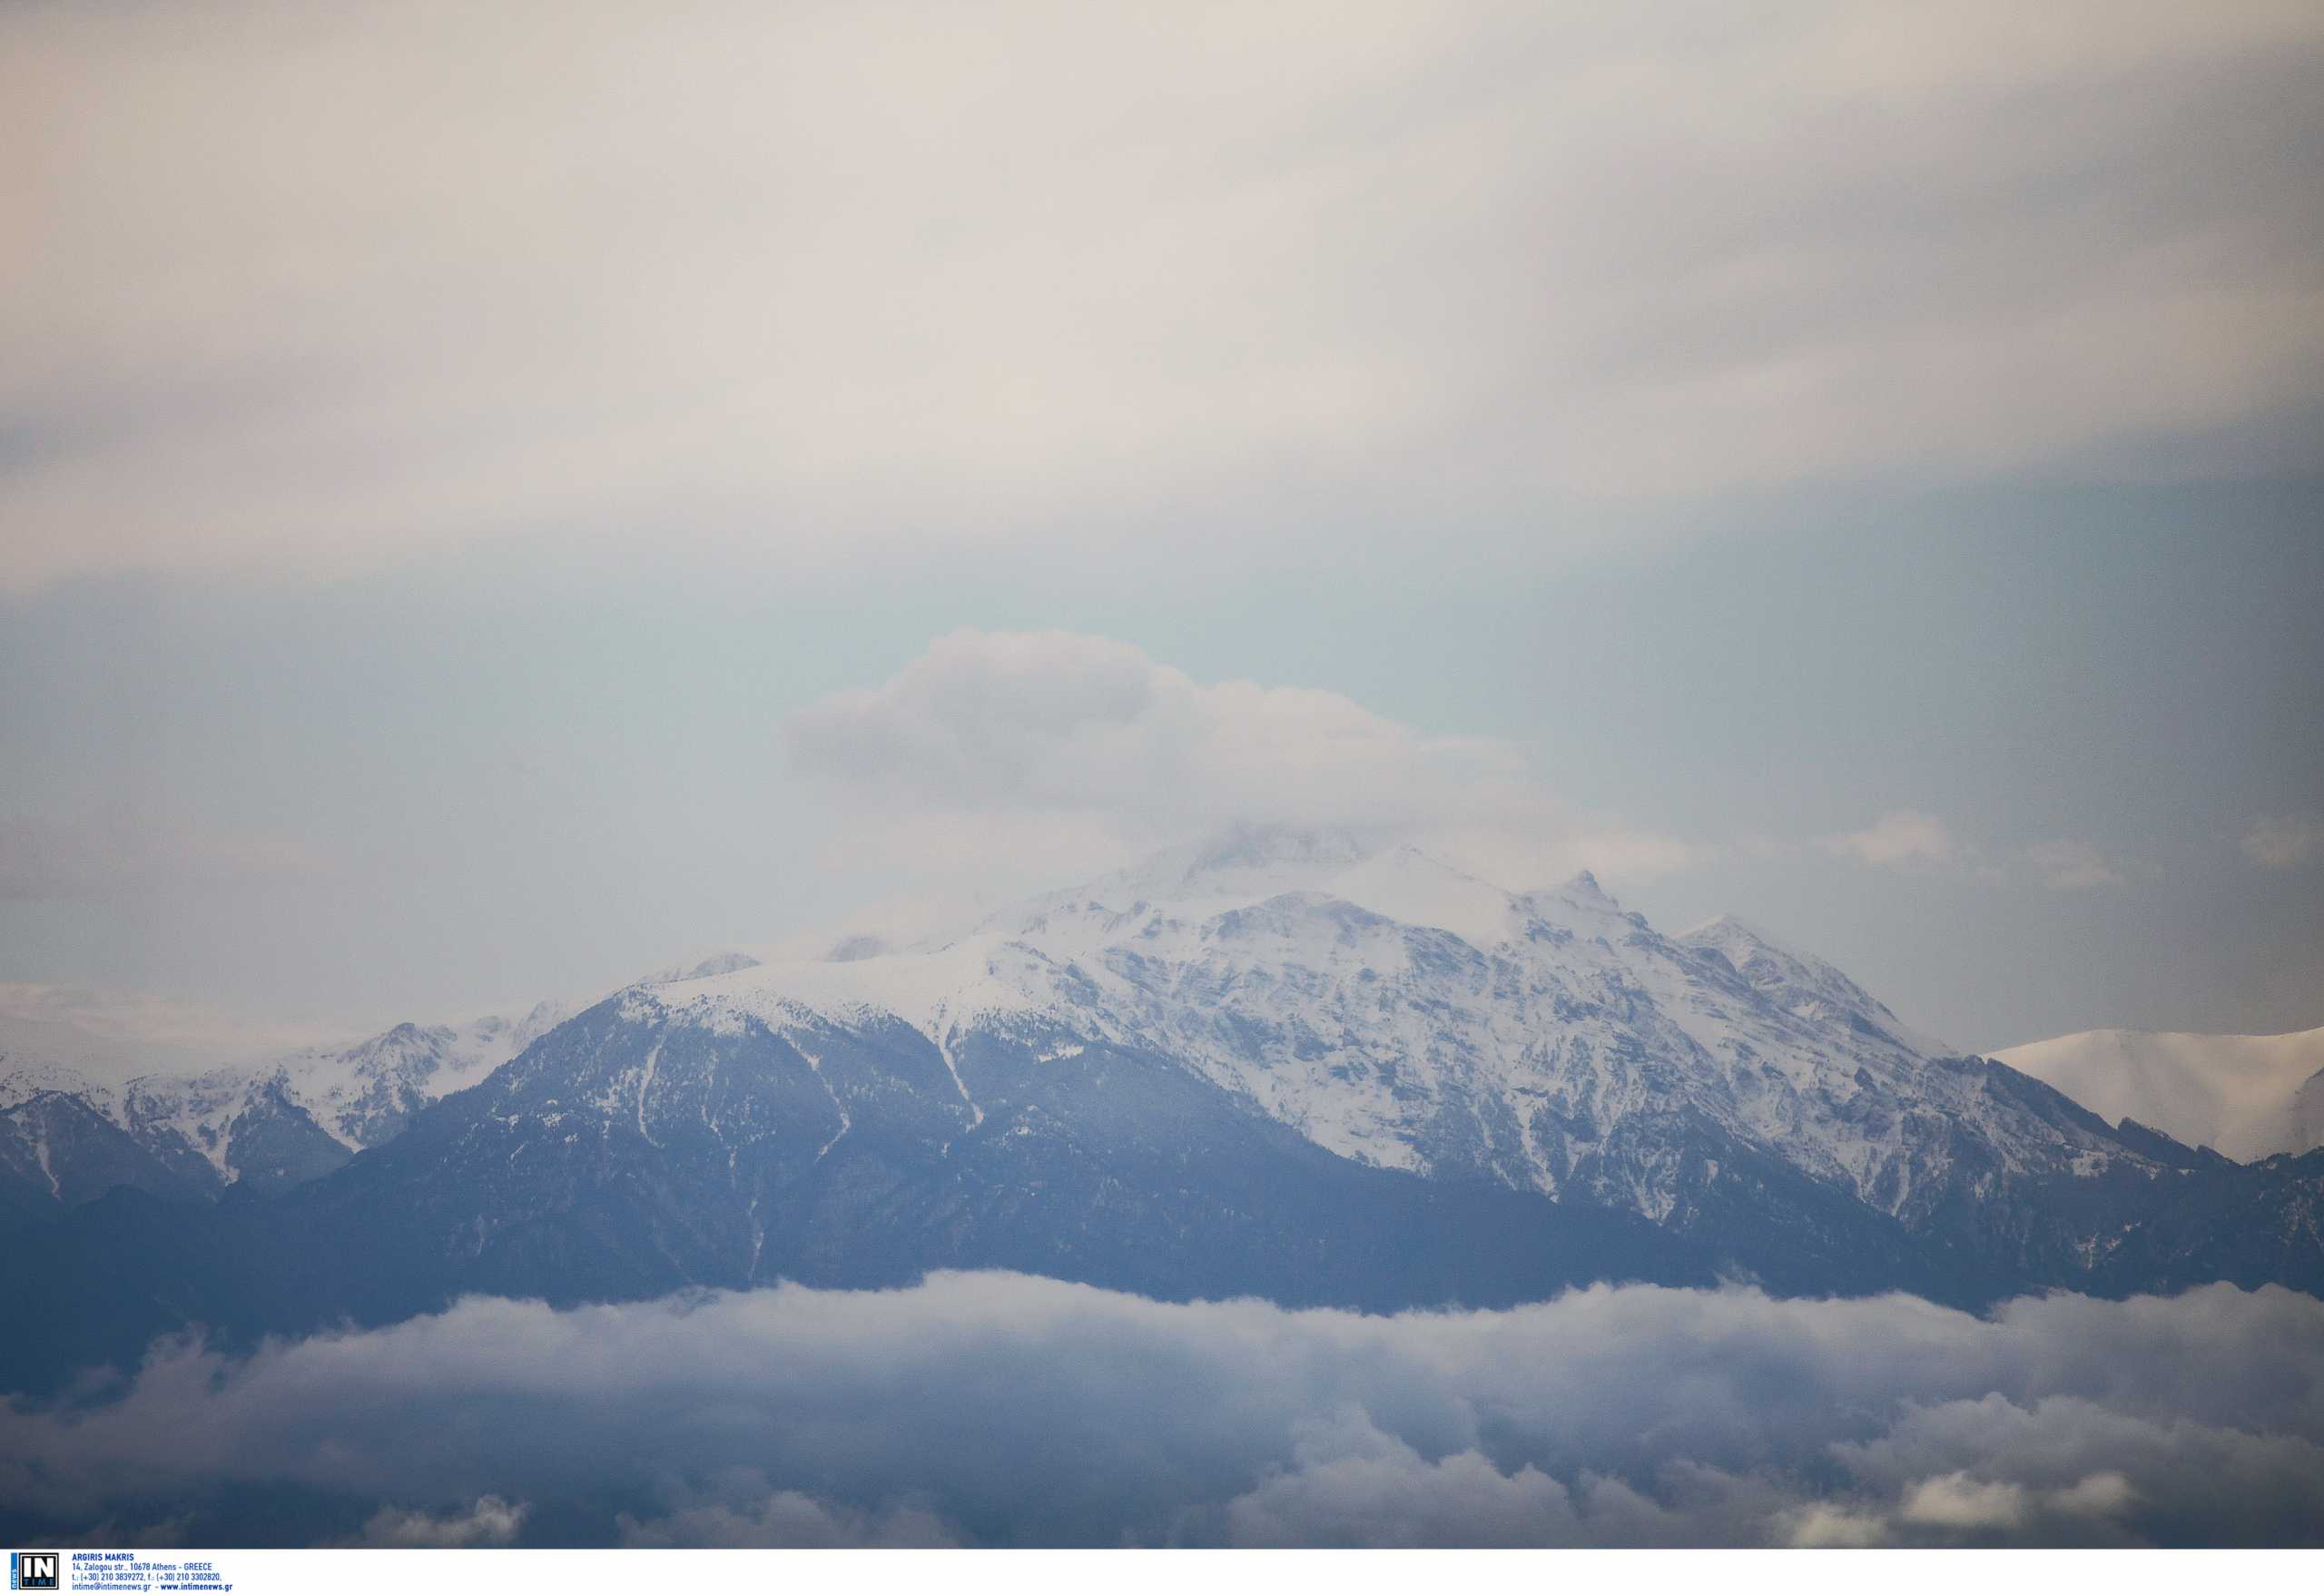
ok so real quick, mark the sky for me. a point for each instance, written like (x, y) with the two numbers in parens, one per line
(493, 504)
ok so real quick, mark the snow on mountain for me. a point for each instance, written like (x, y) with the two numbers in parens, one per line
(1280, 1063)
(360, 1096)
(717, 963)
(2246, 1095)
(1807, 987)
(2305, 1117)
(61, 1140)
(20, 1084)
(979, 978)
(1377, 1002)
(1399, 1012)
(272, 1123)
(365, 1094)
(1251, 864)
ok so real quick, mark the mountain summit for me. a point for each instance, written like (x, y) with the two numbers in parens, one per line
(1401, 1013)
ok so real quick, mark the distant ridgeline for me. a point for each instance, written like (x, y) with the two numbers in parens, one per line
(1279, 1065)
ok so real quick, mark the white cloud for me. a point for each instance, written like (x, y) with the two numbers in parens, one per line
(111, 1035)
(1073, 751)
(1904, 839)
(997, 1408)
(820, 285)
(2102, 1495)
(1351, 1484)
(2073, 866)
(1820, 1526)
(1916, 842)
(490, 1521)
(1956, 1500)
(2284, 841)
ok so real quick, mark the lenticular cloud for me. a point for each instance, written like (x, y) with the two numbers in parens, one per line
(1003, 1409)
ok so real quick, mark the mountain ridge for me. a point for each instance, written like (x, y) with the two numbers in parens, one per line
(1263, 1085)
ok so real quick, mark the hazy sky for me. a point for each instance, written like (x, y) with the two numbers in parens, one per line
(493, 502)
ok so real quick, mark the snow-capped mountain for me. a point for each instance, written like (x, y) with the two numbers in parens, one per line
(1404, 1015)
(60, 1148)
(1281, 1063)
(264, 1125)
(2248, 1096)
(300, 1115)
(717, 963)
(268, 1125)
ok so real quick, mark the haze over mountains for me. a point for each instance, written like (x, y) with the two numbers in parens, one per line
(2248, 1096)
(1406, 693)
(1281, 1063)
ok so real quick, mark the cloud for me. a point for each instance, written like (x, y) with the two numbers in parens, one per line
(1821, 1527)
(824, 287)
(1904, 839)
(490, 1521)
(1915, 842)
(1054, 720)
(2102, 1495)
(1073, 750)
(2284, 841)
(112, 1035)
(1007, 1409)
(1351, 1484)
(2073, 866)
(1958, 1502)
(1960, 1505)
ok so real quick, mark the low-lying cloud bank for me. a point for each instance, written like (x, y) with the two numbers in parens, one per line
(997, 1408)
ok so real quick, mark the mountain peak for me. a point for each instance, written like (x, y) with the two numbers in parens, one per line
(1258, 847)
(1722, 932)
(1251, 864)
(1579, 891)
(22, 1084)
(1801, 982)
(717, 963)
(1246, 860)
(1761, 957)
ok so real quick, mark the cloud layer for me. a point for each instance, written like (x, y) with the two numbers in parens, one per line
(1904, 839)
(2284, 841)
(843, 280)
(1071, 750)
(1001, 1408)
(1914, 842)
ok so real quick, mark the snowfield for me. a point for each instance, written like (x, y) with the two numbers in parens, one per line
(2247, 1096)
(1399, 1012)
